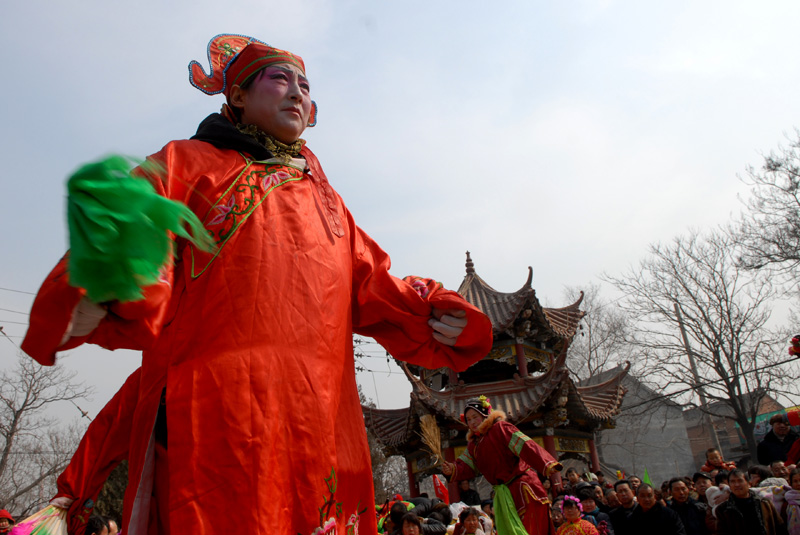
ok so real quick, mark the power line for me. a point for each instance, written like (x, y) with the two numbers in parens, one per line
(14, 322)
(15, 311)
(9, 338)
(17, 291)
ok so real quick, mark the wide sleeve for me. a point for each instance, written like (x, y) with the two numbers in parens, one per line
(464, 467)
(130, 325)
(526, 449)
(395, 312)
(104, 445)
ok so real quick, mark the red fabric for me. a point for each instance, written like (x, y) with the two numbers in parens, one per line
(103, 446)
(440, 489)
(793, 456)
(581, 527)
(5, 514)
(492, 457)
(255, 351)
(724, 465)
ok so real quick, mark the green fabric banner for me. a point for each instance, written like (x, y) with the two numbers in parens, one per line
(505, 513)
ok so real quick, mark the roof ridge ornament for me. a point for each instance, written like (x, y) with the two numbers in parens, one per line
(470, 266)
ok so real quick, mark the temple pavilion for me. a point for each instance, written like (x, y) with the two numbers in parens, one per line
(525, 375)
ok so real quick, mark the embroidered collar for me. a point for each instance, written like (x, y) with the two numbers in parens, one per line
(282, 151)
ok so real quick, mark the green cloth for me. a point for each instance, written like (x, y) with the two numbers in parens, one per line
(646, 478)
(506, 518)
(118, 229)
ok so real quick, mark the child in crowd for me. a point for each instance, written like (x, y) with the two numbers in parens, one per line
(714, 461)
(791, 512)
(573, 523)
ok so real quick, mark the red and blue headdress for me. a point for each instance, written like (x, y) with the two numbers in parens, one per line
(234, 59)
(480, 404)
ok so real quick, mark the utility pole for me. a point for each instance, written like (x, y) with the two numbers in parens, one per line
(700, 391)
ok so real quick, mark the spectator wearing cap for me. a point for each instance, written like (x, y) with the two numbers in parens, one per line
(777, 442)
(702, 482)
(6, 521)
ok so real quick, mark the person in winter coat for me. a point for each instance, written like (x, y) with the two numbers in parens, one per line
(692, 512)
(747, 513)
(653, 518)
(778, 442)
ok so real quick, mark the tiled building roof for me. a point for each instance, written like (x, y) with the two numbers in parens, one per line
(503, 309)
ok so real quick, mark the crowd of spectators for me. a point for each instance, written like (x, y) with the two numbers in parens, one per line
(719, 499)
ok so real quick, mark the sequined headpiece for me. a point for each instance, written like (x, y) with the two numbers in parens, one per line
(233, 59)
(480, 404)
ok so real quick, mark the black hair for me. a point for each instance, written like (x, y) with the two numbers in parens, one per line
(619, 482)
(569, 471)
(396, 512)
(721, 477)
(676, 480)
(760, 471)
(793, 473)
(644, 486)
(411, 518)
(586, 493)
(739, 473)
(468, 512)
(442, 513)
(96, 525)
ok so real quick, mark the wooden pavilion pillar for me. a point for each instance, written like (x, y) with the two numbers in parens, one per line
(593, 455)
(413, 486)
(522, 362)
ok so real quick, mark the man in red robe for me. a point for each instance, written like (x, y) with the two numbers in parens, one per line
(247, 400)
(509, 460)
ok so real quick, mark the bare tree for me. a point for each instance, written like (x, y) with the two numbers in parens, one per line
(768, 232)
(389, 474)
(34, 448)
(601, 341)
(725, 311)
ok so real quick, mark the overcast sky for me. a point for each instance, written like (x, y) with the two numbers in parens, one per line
(565, 136)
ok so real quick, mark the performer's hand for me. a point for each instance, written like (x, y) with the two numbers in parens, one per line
(85, 318)
(447, 325)
(62, 502)
(447, 468)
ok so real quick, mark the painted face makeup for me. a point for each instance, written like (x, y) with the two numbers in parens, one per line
(278, 102)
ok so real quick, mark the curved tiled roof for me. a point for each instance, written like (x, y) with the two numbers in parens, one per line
(565, 320)
(602, 401)
(390, 426)
(517, 397)
(503, 308)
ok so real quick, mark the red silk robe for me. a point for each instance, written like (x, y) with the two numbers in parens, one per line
(104, 445)
(504, 455)
(253, 346)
